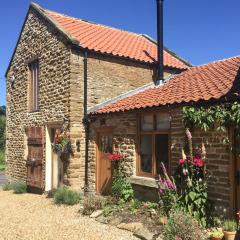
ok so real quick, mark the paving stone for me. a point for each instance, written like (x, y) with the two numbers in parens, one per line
(96, 214)
(132, 227)
(143, 234)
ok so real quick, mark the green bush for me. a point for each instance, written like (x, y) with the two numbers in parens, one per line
(135, 205)
(7, 187)
(2, 160)
(66, 196)
(195, 201)
(92, 203)
(2, 131)
(183, 226)
(230, 225)
(122, 188)
(17, 187)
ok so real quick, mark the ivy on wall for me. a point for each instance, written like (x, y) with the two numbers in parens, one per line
(220, 116)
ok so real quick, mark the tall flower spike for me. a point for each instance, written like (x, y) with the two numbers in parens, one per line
(203, 152)
(189, 138)
(184, 157)
(189, 135)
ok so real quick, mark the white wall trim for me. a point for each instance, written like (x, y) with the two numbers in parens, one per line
(48, 162)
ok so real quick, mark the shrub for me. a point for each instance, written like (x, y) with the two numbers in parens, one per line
(2, 160)
(92, 203)
(122, 188)
(107, 211)
(151, 205)
(167, 191)
(135, 205)
(17, 187)
(195, 200)
(66, 196)
(230, 225)
(7, 187)
(183, 226)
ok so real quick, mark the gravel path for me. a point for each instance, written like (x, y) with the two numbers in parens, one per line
(34, 217)
(3, 178)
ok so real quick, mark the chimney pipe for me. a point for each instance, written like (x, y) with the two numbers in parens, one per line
(160, 75)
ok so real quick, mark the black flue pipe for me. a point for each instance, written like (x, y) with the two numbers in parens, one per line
(160, 75)
(86, 119)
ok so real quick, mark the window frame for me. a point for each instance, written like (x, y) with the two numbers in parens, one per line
(153, 133)
(33, 86)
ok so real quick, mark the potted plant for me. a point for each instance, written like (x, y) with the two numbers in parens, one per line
(62, 144)
(216, 235)
(229, 229)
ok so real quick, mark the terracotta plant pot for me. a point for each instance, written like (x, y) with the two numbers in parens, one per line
(229, 235)
(215, 238)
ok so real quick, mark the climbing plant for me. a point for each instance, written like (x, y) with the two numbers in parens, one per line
(221, 116)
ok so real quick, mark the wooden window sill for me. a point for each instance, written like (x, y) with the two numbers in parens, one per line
(144, 181)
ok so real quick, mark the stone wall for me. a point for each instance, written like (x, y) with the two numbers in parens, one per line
(218, 162)
(38, 40)
(109, 77)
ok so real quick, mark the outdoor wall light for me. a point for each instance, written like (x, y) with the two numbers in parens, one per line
(12, 80)
(78, 145)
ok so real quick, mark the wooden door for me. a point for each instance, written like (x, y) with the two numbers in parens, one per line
(104, 168)
(238, 173)
(35, 159)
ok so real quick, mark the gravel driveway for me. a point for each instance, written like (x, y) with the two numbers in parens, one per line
(34, 217)
(3, 178)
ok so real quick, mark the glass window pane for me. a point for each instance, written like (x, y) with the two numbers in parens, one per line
(146, 153)
(147, 123)
(161, 151)
(106, 144)
(163, 121)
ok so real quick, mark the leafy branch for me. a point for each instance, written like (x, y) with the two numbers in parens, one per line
(221, 116)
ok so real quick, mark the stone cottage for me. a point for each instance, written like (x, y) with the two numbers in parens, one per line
(61, 67)
(146, 126)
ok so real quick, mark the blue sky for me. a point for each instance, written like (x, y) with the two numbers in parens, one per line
(199, 31)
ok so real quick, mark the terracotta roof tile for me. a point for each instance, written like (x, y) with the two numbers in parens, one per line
(113, 41)
(210, 81)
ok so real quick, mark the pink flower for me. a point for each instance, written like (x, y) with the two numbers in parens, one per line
(115, 157)
(181, 161)
(198, 162)
(185, 171)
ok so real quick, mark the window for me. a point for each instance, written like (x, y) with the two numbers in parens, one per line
(154, 143)
(34, 86)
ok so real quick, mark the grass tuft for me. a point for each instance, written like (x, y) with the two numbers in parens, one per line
(66, 196)
(7, 187)
(17, 187)
(92, 203)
